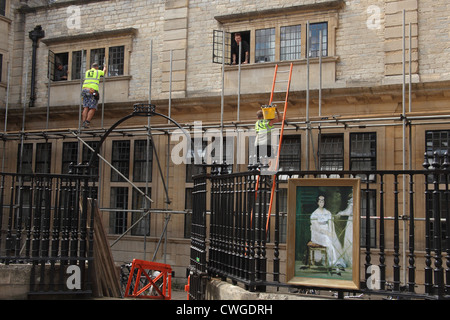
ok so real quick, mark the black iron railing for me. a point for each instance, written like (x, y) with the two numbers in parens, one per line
(197, 267)
(404, 217)
(45, 223)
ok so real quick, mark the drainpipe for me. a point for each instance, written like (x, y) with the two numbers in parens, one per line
(34, 35)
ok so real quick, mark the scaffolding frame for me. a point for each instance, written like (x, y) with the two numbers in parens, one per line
(404, 119)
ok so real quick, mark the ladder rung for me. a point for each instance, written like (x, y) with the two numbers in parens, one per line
(278, 101)
(283, 71)
(281, 81)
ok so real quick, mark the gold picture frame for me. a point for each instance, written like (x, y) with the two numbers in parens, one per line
(323, 232)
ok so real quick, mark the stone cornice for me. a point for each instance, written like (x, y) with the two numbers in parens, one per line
(91, 36)
(423, 91)
(323, 6)
(27, 9)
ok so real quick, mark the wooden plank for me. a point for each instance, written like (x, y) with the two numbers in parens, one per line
(106, 275)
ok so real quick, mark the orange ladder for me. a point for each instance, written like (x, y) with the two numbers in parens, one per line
(276, 81)
(285, 102)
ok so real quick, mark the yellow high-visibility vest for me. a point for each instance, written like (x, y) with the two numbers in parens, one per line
(92, 78)
(263, 129)
(261, 125)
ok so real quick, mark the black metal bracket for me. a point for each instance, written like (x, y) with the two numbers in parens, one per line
(144, 109)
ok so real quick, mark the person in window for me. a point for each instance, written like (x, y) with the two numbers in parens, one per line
(235, 50)
(263, 128)
(60, 72)
(90, 93)
(323, 233)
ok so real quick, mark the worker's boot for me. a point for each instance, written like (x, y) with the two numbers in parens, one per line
(86, 124)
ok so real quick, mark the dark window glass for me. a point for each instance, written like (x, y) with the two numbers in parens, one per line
(77, 57)
(1, 67)
(87, 153)
(290, 153)
(60, 67)
(363, 153)
(43, 157)
(368, 205)
(290, 46)
(116, 61)
(140, 203)
(437, 142)
(25, 158)
(69, 155)
(97, 56)
(142, 155)
(2, 7)
(118, 219)
(314, 39)
(331, 152)
(120, 159)
(265, 45)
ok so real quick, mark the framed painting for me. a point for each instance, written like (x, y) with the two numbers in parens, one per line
(323, 232)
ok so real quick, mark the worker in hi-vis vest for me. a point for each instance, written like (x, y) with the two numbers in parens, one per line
(263, 128)
(90, 93)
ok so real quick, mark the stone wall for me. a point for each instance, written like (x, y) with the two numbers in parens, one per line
(14, 281)
(222, 290)
(368, 41)
(434, 40)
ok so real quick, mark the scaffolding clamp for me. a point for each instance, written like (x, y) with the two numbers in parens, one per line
(144, 109)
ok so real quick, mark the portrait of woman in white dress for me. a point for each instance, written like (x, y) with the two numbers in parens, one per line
(323, 233)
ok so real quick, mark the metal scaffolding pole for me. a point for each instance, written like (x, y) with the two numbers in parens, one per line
(410, 73)
(223, 81)
(149, 140)
(320, 73)
(293, 125)
(8, 79)
(112, 167)
(409, 98)
(404, 124)
(307, 94)
(145, 213)
(83, 67)
(48, 96)
(7, 95)
(239, 83)
(403, 146)
(170, 86)
(22, 132)
(222, 98)
(104, 91)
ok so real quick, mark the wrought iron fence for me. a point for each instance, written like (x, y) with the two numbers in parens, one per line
(45, 222)
(198, 274)
(404, 230)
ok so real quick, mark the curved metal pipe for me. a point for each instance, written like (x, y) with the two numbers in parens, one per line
(138, 111)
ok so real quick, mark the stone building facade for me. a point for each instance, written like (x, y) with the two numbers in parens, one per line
(162, 52)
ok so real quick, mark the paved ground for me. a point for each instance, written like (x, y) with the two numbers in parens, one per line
(179, 295)
(176, 295)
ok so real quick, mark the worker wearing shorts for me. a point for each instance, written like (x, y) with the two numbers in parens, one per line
(90, 93)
